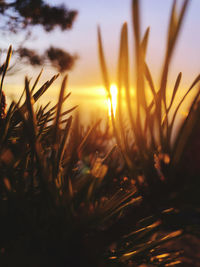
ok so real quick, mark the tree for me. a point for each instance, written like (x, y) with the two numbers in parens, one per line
(22, 15)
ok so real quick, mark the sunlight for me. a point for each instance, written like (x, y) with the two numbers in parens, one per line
(113, 92)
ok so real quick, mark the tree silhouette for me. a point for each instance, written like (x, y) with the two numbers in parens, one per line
(21, 15)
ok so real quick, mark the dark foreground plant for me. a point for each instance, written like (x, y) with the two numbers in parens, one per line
(58, 197)
(69, 199)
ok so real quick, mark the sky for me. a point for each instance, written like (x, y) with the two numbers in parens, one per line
(85, 80)
(109, 15)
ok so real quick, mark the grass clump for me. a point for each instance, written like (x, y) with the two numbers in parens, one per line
(164, 167)
(69, 199)
(55, 198)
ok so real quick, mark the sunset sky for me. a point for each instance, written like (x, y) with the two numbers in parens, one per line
(110, 15)
(85, 79)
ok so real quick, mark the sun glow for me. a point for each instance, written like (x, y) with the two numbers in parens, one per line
(113, 100)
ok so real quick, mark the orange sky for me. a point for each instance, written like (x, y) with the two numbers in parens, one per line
(82, 39)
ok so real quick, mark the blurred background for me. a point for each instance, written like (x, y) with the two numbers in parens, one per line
(85, 80)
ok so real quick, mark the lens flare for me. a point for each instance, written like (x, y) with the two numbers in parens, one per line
(113, 100)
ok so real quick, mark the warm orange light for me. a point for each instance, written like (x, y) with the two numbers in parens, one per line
(113, 92)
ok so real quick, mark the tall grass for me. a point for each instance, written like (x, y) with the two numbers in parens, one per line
(64, 191)
(57, 195)
(69, 199)
(164, 167)
(151, 125)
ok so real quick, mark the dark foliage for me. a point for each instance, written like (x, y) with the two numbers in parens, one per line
(68, 198)
(31, 56)
(60, 59)
(21, 15)
(37, 12)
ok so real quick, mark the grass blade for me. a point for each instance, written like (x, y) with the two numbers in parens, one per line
(103, 64)
(5, 67)
(36, 81)
(175, 91)
(59, 107)
(182, 100)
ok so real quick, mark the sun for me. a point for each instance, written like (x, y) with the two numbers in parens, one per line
(113, 100)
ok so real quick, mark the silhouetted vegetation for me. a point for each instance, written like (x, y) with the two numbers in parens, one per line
(70, 198)
(21, 15)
